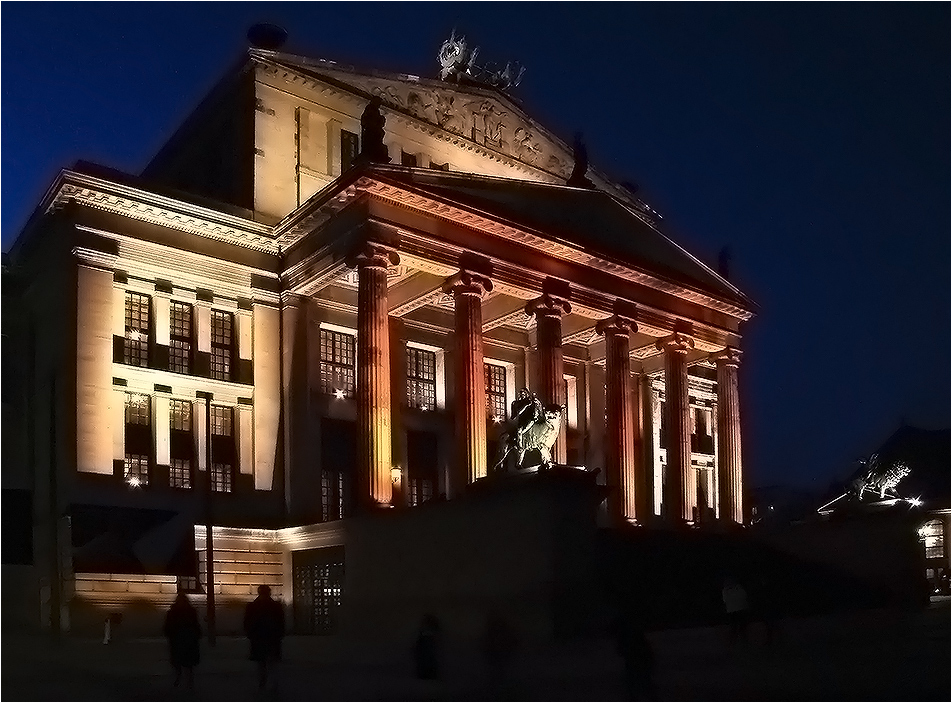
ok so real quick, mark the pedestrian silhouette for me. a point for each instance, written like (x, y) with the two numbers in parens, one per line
(183, 632)
(499, 644)
(426, 648)
(738, 610)
(264, 627)
(638, 658)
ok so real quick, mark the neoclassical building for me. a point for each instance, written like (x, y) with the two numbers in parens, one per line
(320, 298)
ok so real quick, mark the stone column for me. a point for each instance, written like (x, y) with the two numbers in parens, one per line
(619, 430)
(680, 485)
(548, 310)
(373, 375)
(468, 288)
(729, 466)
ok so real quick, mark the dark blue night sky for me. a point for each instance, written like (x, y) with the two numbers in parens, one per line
(812, 139)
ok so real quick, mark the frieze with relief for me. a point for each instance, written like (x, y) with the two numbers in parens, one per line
(484, 121)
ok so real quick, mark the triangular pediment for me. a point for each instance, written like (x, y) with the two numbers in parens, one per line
(482, 115)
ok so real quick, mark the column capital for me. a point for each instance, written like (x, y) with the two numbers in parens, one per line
(372, 255)
(548, 305)
(467, 282)
(728, 356)
(616, 325)
(677, 342)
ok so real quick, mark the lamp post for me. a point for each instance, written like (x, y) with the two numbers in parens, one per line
(209, 550)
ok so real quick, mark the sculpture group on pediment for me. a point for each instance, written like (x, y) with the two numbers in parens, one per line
(531, 426)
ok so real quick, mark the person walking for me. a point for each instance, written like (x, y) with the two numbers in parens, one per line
(738, 610)
(264, 627)
(183, 632)
(637, 656)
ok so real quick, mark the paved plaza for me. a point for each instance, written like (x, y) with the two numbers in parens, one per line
(868, 655)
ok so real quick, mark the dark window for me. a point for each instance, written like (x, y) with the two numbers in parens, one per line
(223, 449)
(408, 159)
(496, 391)
(181, 444)
(702, 440)
(349, 148)
(422, 466)
(440, 167)
(180, 338)
(138, 408)
(421, 379)
(223, 345)
(136, 347)
(338, 459)
(337, 362)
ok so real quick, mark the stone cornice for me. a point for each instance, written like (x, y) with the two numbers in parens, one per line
(143, 205)
(538, 242)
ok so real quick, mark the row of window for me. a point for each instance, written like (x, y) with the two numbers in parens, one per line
(139, 337)
(338, 374)
(702, 439)
(139, 456)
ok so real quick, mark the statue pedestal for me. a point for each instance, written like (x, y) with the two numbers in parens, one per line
(518, 544)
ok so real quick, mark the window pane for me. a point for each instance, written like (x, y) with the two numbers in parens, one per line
(136, 345)
(421, 379)
(138, 408)
(222, 345)
(180, 473)
(180, 338)
(136, 470)
(221, 421)
(181, 415)
(337, 362)
(221, 478)
(496, 391)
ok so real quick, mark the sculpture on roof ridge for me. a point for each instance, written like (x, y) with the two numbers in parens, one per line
(457, 63)
(531, 426)
(878, 478)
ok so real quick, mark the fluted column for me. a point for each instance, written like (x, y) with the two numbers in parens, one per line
(548, 311)
(679, 495)
(619, 430)
(373, 375)
(468, 289)
(729, 465)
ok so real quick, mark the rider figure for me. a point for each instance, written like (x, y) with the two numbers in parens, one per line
(524, 412)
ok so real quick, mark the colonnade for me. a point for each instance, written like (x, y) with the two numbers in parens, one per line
(626, 473)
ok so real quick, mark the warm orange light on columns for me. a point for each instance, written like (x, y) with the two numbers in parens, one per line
(550, 382)
(468, 289)
(679, 495)
(729, 465)
(374, 487)
(619, 430)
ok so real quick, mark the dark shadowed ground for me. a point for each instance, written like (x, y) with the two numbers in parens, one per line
(867, 655)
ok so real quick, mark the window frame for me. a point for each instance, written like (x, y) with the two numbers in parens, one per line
(337, 376)
(417, 380)
(181, 344)
(222, 352)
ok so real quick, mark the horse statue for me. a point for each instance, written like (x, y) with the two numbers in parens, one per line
(531, 426)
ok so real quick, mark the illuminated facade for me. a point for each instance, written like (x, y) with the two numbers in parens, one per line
(317, 332)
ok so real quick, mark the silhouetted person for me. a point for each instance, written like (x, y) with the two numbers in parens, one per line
(426, 655)
(183, 632)
(636, 654)
(264, 626)
(766, 607)
(499, 646)
(737, 608)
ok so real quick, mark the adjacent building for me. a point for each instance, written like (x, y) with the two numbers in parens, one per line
(320, 298)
